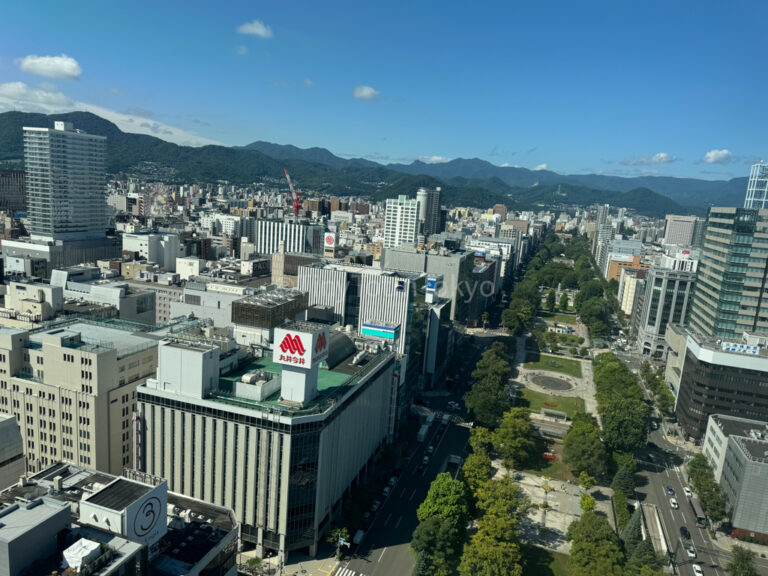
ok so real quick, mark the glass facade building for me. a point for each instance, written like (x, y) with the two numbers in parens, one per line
(731, 294)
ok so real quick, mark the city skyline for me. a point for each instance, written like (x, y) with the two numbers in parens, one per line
(601, 89)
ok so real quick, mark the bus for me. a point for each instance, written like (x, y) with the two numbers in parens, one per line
(698, 513)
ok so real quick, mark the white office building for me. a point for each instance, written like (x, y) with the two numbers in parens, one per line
(66, 184)
(162, 249)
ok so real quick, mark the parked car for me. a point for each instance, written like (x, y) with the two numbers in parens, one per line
(367, 515)
(673, 504)
(375, 506)
(386, 491)
(654, 425)
(691, 552)
(687, 491)
(392, 481)
(430, 449)
(697, 570)
(670, 490)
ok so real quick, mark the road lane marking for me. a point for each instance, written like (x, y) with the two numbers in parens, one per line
(387, 520)
(382, 554)
(398, 522)
(412, 495)
(403, 492)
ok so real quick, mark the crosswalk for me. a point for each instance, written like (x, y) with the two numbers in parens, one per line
(348, 572)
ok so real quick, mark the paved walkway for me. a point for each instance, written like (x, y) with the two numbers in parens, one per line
(583, 387)
(298, 564)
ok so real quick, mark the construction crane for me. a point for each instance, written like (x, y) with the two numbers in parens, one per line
(296, 196)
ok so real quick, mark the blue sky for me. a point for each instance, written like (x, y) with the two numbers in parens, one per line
(674, 88)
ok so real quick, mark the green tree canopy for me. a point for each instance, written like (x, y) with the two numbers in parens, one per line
(742, 562)
(446, 498)
(624, 480)
(625, 423)
(513, 440)
(438, 543)
(490, 557)
(594, 547)
(477, 470)
(583, 449)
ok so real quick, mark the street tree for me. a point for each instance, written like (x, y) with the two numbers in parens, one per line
(585, 480)
(513, 440)
(438, 543)
(490, 557)
(632, 534)
(446, 498)
(595, 547)
(551, 300)
(742, 562)
(477, 470)
(625, 423)
(583, 449)
(587, 503)
(624, 480)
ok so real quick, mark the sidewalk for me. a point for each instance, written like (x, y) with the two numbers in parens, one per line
(299, 564)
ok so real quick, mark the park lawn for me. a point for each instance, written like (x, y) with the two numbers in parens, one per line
(555, 317)
(543, 562)
(554, 364)
(556, 469)
(535, 401)
(568, 340)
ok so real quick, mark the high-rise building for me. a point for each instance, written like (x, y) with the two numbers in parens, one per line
(429, 210)
(757, 187)
(401, 222)
(66, 185)
(732, 281)
(665, 301)
(13, 197)
(603, 211)
(73, 390)
(683, 230)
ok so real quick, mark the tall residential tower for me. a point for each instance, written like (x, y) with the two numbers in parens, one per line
(66, 184)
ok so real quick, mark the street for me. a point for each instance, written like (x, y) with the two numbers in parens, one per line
(385, 551)
(659, 466)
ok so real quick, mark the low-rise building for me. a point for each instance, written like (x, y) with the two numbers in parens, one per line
(279, 437)
(69, 519)
(737, 450)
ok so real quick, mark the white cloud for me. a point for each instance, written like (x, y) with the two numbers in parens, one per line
(19, 96)
(309, 83)
(255, 28)
(434, 159)
(241, 50)
(51, 66)
(115, 90)
(365, 93)
(717, 157)
(658, 158)
(541, 167)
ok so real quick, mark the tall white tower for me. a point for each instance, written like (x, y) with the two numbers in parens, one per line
(66, 184)
(401, 224)
(757, 187)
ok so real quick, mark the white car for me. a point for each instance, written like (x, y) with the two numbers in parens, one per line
(375, 506)
(687, 491)
(673, 503)
(697, 570)
(386, 491)
(691, 552)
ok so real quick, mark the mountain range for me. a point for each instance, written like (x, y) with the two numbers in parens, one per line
(472, 182)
